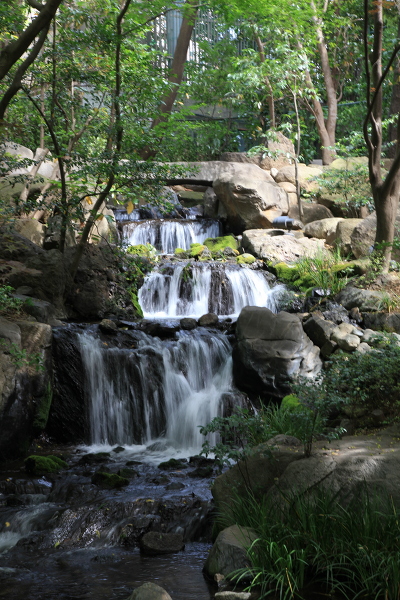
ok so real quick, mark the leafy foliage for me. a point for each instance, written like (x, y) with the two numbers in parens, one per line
(9, 304)
(314, 539)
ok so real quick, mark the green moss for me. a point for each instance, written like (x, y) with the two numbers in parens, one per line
(220, 243)
(285, 272)
(35, 465)
(246, 259)
(43, 409)
(172, 463)
(146, 250)
(109, 480)
(196, 250)
(180, 251)
(127, 473)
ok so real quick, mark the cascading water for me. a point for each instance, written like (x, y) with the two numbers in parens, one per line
(167, 235)
(157, 388)
(191, 290)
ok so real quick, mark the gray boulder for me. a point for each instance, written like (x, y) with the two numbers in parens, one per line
(363, 236)
(229, 551)
(250, 196)
(149, 591)
(344, 231)
(306, 174)
(325, 229)
(311, 212)
(365, 300)
(279, 248)
(319, 330)
(155, 542)
(270, 351)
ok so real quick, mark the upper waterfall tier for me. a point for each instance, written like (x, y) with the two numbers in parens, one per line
(191, 290)
(167, 235)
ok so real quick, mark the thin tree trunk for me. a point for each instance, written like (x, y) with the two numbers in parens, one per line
(270, 95)
(177, 68)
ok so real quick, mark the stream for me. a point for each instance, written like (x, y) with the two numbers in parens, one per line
(125, 402)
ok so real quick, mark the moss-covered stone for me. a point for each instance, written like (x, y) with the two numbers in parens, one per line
(109, 480)
(146, 250)
(196, 250)
(172, 463)
(180, 251)
(285, 272)
(246, 259)
(36, 465)
(128, 473)
(220, 243)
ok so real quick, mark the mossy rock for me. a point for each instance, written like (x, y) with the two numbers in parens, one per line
(285, 272)
(36, 465)
(246, 259)
(172, 464)
(146, 250)
(181, 253)
(196, 250)
(111, 481)
(219, 244)
(128, 473)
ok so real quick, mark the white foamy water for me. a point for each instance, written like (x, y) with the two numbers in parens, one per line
(191, 291)
(167, 235)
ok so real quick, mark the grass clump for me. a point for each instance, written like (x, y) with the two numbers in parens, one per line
(352, 549)
(37, 465)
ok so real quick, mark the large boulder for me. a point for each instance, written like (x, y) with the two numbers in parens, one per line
(279, 248)
(365, 300)
(306, 174)
(229, 551)
(270, 351)
(311, 212)
(363, 236)
(250, 196)
(325, 229)
(344, 231)
(31, 229)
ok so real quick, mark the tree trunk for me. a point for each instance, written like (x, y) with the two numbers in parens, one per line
(176, 72)
(394, 105)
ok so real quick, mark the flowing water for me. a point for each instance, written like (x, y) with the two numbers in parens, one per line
(158, 389)
(191, 290)
(166, 235)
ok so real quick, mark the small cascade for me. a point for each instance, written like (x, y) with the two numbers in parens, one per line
(155, 388)
(191, 290)
(166, 234)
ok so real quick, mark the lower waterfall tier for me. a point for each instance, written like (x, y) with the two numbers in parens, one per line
(142, 389)
(176, 290)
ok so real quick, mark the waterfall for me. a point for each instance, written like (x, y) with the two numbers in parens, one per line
(167, 235)
(191, 290)
(156, 388)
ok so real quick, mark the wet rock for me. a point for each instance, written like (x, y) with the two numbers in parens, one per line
(175, 485)
(208, 320)
(95, 459)
(149, 591)
(188, 324)
(128, 473)
(155, 542)
(35, 465)
(173, 464)
(229, 551)
(232, 595)
(202, 472)
(108, 326)
(336, 313)
(118, 449)
(109, 480)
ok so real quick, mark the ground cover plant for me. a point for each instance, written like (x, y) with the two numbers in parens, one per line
(350, 548)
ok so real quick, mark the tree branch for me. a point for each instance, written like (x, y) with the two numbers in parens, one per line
(35, 4)
(16, 83)
(15, 49)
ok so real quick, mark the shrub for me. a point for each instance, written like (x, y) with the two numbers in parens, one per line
(8, 304)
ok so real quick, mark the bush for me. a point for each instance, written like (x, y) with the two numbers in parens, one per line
(370, 380)
(8, 304)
